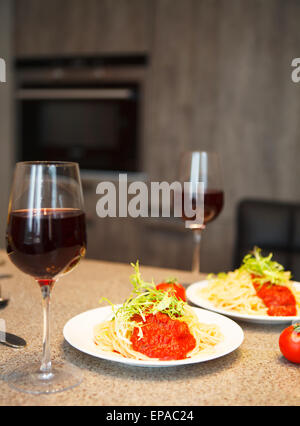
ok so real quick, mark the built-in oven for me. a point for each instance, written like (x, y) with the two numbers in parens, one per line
(83, 112)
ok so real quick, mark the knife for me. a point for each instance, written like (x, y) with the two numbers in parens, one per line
(12, 340)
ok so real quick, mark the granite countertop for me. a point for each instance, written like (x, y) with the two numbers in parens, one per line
(254, 374)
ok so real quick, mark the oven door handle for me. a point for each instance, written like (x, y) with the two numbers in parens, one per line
(32, 94)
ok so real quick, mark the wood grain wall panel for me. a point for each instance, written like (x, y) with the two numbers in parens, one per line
(74, 27)
(254, 115)
(168, 99)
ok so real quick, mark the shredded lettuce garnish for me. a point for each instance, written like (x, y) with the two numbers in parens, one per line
(263, 268)
(145, 299)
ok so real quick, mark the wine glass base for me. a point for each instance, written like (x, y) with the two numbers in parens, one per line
(30, 379)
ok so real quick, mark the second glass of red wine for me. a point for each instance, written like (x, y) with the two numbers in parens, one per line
(202, 166)
(46, 238)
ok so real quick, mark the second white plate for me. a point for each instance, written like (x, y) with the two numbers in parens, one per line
(193, 295)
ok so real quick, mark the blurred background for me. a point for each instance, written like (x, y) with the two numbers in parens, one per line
(128, 85)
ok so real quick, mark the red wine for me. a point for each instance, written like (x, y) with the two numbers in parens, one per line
(46, 243)
(213, 204)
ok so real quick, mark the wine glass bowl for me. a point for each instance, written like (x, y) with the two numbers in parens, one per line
(46, 243)
(202, 167)
(46, 238)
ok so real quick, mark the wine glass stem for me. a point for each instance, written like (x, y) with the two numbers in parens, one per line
(46, 358)
(196, 253)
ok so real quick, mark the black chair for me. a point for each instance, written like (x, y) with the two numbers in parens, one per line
(274, 227)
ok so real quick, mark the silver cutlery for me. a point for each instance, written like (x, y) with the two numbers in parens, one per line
(12, 340)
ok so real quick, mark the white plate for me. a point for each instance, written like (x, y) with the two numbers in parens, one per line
(194, 297)
(78, 332)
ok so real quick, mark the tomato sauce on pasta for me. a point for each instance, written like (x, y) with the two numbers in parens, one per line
(163, 338)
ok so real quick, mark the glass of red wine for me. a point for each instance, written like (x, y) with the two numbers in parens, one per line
(195, 167)
(46, 238)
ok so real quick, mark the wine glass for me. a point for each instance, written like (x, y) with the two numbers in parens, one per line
(46, 238)
(195, 167)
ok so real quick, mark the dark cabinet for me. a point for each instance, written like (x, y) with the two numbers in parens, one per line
(81, 27)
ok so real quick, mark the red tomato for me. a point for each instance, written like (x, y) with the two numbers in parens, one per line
(175, 289)
(289, 343)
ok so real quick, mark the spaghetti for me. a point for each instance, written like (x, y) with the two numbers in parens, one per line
(240, 290)
(156, 322)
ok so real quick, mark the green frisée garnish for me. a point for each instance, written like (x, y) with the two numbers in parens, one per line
(145, 299)
(263, 268)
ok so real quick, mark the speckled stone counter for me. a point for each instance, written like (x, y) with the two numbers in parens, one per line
(255, 374)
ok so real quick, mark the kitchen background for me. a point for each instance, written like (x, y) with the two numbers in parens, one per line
(196, 74)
